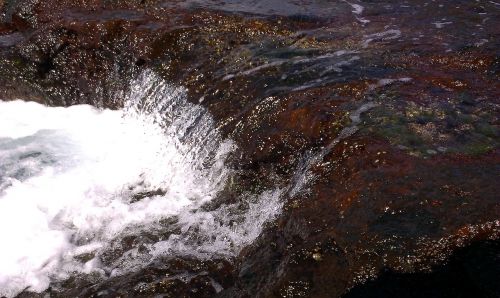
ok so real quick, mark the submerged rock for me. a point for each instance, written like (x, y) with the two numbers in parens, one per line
(377, 199)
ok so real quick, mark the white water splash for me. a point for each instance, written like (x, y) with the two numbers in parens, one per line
(381, 36)
(358, 10)
(385, 82)
(76, 180)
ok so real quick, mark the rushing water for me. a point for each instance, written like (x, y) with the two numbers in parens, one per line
(76, 180)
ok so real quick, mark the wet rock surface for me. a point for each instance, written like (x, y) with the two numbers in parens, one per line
(381, 118)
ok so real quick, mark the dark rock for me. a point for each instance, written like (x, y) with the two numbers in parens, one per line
(284, 81)
(470, 272)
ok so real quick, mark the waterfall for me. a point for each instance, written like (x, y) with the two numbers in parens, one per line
(76, 182)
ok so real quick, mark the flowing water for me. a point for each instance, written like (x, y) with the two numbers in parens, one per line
(363, 134)
(76, 181)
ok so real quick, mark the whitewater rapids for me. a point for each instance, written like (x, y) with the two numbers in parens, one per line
(76, 180)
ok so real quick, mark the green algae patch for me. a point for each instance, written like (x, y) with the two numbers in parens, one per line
(423, 129)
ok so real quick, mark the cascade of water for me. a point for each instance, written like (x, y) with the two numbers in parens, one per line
(74, 182)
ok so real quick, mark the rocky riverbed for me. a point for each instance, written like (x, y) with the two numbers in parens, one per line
(377, 121)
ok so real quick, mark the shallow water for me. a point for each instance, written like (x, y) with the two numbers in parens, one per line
(315, 8)
(366, 134)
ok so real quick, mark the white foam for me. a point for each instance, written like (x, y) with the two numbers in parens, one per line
(381, 36)
(73, 180)
(385, 82)
(298, 60)
(358, 10)
(440, 25)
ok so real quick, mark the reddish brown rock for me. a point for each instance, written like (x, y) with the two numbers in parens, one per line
(413, 184)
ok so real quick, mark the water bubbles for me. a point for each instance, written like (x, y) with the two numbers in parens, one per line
(107, 192)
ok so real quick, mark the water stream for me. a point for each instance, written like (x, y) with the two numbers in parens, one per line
(76, 181)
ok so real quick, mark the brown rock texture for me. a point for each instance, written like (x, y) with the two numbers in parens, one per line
(382, 125)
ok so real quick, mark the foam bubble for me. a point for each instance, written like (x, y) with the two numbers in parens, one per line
(74, 179)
